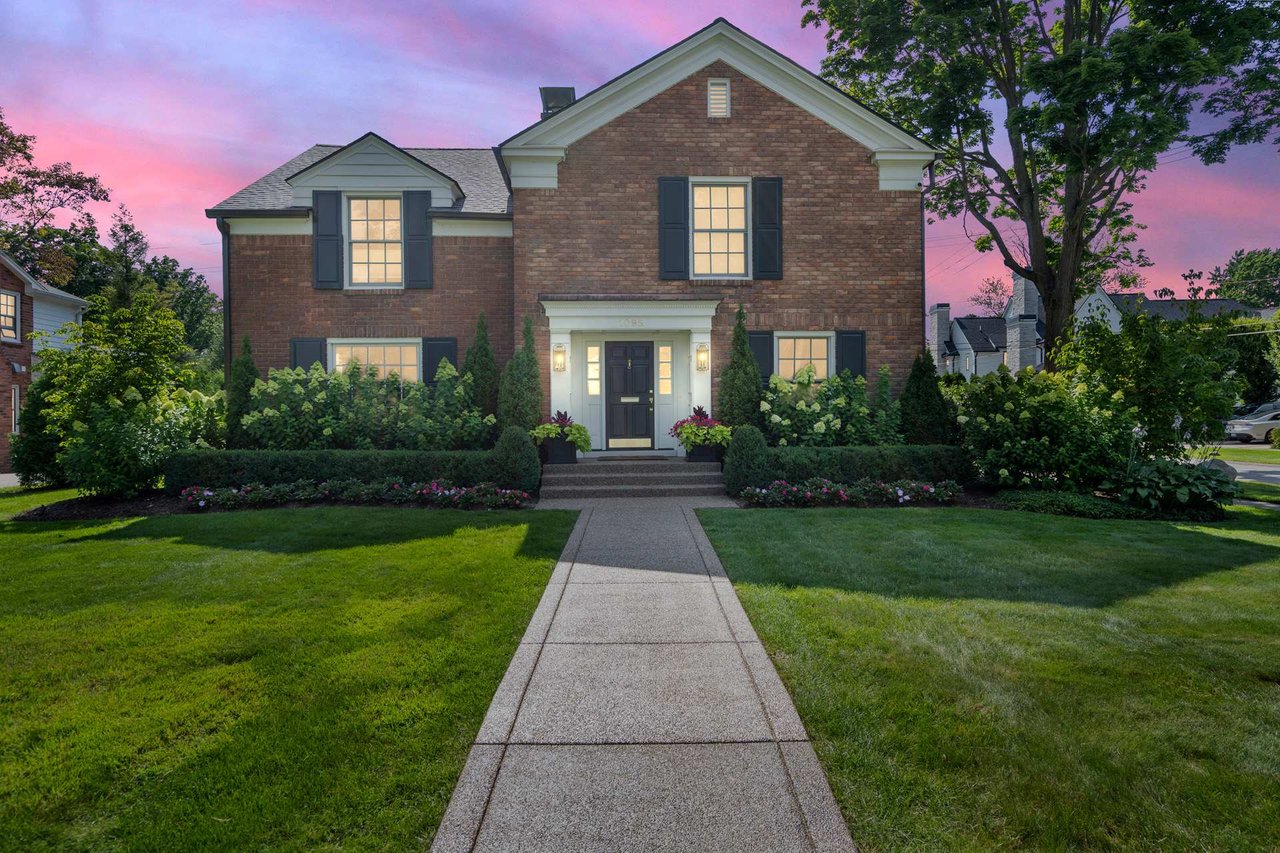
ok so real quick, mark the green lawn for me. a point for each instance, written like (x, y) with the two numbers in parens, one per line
(1240, 454)
(1252, 491)
(976, 679)
(283, 679)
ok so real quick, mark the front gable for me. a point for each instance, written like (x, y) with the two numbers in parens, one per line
(372, 164)
(532, 156)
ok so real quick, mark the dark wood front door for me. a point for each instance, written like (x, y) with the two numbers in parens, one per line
(629, 394)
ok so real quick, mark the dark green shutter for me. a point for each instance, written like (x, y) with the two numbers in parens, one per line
(766, 228)
(673, 228)
(326, 239)
(418, 272)
(304, 352)
(761, 344)
(851, 352)
(434, 349)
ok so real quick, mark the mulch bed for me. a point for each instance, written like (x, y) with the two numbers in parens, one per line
(86, 508)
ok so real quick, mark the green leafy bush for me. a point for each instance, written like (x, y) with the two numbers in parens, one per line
(514, 461)
(746, 462)
(927, 416)
(520, 392)
(244, 375)
(33, 450)
(355, 410)
(1166, 484)
(437, 494)
(809, 413)
(1084, 505)
(562, 426)
(480, 363)
(739, 399)
(1042, 430)
(819, 491)
(222, 468)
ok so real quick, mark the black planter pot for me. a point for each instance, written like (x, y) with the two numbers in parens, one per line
(560, 451)
(704, 453)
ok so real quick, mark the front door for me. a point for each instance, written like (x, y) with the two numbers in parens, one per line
(629, 394)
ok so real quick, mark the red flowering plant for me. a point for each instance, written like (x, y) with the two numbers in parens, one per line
(700, 429)
(561, 425)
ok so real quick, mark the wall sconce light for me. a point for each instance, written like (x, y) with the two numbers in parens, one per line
(703, 357)
(559, 358)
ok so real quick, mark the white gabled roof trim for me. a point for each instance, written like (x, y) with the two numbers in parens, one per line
(899, 154)
(37, 289)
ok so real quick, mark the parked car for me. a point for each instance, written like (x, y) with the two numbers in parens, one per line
(1253, 410)
(1254, 427)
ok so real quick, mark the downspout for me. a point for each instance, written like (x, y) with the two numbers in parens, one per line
(225, 229)
(924, 300)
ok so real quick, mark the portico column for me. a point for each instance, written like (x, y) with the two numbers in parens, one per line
(562, 380)
(700, 380)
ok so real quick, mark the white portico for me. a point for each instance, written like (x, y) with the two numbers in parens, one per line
(627, 369)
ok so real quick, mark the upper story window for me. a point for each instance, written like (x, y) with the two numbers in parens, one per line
(388, 357)
(376, 248)
(796, 351)
(9, 316)
(718, 98)
(720, 229)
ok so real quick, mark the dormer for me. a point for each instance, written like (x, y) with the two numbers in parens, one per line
(373, 165)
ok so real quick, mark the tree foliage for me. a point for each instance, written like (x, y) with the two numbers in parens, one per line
(520, 392)
(927, 416)
(243, 376)
(992, 295)
(740, 386)
(1083, 95)
(482, 366)
(1251, 277)
(1254, 346)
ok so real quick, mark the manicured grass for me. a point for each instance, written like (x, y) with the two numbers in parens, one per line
(284, 679)
(976, 679)
(1267, 492)
(1240, 454)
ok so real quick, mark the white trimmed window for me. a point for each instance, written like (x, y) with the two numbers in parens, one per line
(401, 357)
(717, 98)
(796, 351)
(720, 229)
(9, 330)
(377, 253)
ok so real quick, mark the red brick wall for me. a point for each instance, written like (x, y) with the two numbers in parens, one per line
(9, 354)
(851, 252)
(272, 299)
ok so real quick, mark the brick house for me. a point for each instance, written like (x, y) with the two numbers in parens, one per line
(629, 223)
(26, 305)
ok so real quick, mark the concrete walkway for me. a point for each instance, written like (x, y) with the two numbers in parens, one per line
(640, 711)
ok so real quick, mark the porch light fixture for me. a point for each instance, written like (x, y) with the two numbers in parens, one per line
(559, 358)
(703, 358)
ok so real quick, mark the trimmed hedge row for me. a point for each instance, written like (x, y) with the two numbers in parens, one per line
(512, 464)
(750, 463)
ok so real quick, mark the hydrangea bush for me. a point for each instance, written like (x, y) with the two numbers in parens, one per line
(822, 492)
(834, 412)
(438, 494)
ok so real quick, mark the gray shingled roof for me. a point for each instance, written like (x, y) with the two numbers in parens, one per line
(1176, 309)
(475, 169)
(989, 334)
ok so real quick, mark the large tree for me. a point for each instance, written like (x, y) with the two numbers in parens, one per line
(1049, 113)
(1252, 277)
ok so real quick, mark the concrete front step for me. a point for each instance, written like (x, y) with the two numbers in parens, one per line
(634, 466)
(631, 490)
(581, 475)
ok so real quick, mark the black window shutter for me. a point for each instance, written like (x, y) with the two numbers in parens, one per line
(418, 272)
(304, 352)
(326, 239)
(766, 228)
(851, 352)
(434, 349)
(761, 344)
(673, 228)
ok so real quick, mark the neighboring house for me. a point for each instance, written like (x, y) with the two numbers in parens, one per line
(26, 305)
(1110, 306)
(975, 346)
(629, 223)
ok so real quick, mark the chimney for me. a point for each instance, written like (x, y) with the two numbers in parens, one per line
(1021, 341)
(1025, 299)
(939, 334)
(556, 98)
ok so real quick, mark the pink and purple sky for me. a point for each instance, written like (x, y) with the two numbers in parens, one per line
(178, 105)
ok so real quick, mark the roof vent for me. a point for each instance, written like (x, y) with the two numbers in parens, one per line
(717, 98)
(556, 98)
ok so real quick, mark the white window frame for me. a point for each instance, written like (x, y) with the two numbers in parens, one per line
(746, 218)
(831, 349)
(17, 318)
(332, 343)
(347, 198)
(728, 97)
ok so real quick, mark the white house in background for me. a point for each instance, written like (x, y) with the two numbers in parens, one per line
(974, 346)
(1110, 306)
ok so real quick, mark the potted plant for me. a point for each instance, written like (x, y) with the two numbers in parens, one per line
(560, 439)
(702, 436)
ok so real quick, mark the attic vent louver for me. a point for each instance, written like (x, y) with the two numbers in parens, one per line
(717, 98)
(556, 98)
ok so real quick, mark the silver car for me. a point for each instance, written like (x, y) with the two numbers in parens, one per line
(1253, 427)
